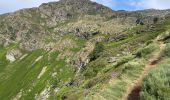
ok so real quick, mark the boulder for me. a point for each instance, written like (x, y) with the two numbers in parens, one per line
(13, 54)
(112, 59)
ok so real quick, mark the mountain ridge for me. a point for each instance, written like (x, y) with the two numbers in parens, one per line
(49, 15)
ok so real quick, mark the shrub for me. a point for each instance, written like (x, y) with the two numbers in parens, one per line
(164, 36)
(166, 51)
(96, 80)
(132, 69)
(155, 20)
(143, 52)
(156, 85)
(97, 51)
(94, 67)
(139, 21)
(123, 60)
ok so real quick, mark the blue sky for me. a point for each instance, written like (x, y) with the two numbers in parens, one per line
(135, 4)
(13, 5)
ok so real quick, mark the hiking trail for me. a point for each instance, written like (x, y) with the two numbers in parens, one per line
(133, 90)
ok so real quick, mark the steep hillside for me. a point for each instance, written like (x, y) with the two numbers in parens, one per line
(77, 49)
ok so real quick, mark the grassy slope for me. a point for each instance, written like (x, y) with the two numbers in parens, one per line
(130, 69)
(155, 84)
(21, 75)
(103, 86)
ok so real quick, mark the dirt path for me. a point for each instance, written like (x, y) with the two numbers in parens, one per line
(133, 90)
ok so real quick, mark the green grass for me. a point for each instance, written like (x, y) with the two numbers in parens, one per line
(78, 40)
(3, 60)
(156, 84)
(129, 72)
(145, 51)
(95, 78)
(129, 68)
(14, 74)
(134, 41)
(22, 75)
(3, 51)
(166, 52)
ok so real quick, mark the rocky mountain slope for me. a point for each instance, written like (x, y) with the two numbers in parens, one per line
(76, 49)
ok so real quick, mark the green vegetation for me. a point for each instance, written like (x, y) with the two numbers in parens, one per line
(155, 20)
(94, 67)
(61, 63)
(29, 81)
(156, 85)
(97, 51)
(143, 52)
(166, 51)
(96, 74)
(122, 77)
(134, 41)
(3, 61)
(123, 60)
(164, 36)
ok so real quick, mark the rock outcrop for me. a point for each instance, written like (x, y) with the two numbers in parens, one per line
(13, 55)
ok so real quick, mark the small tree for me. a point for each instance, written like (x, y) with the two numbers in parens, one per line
(139, 22)
(96, 52)
(155, 20)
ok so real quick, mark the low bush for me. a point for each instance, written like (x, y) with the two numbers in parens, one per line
(164, 36)
(156, 85)
(96, 52)
(132, 69)
(155, 20)
(96, 80)
(143, 52)
(166, 51)
(123, 60)
(94, 67)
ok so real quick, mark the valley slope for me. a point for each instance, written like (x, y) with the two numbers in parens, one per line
(76, 49)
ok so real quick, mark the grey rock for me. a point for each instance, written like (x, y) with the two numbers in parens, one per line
(13, 55)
